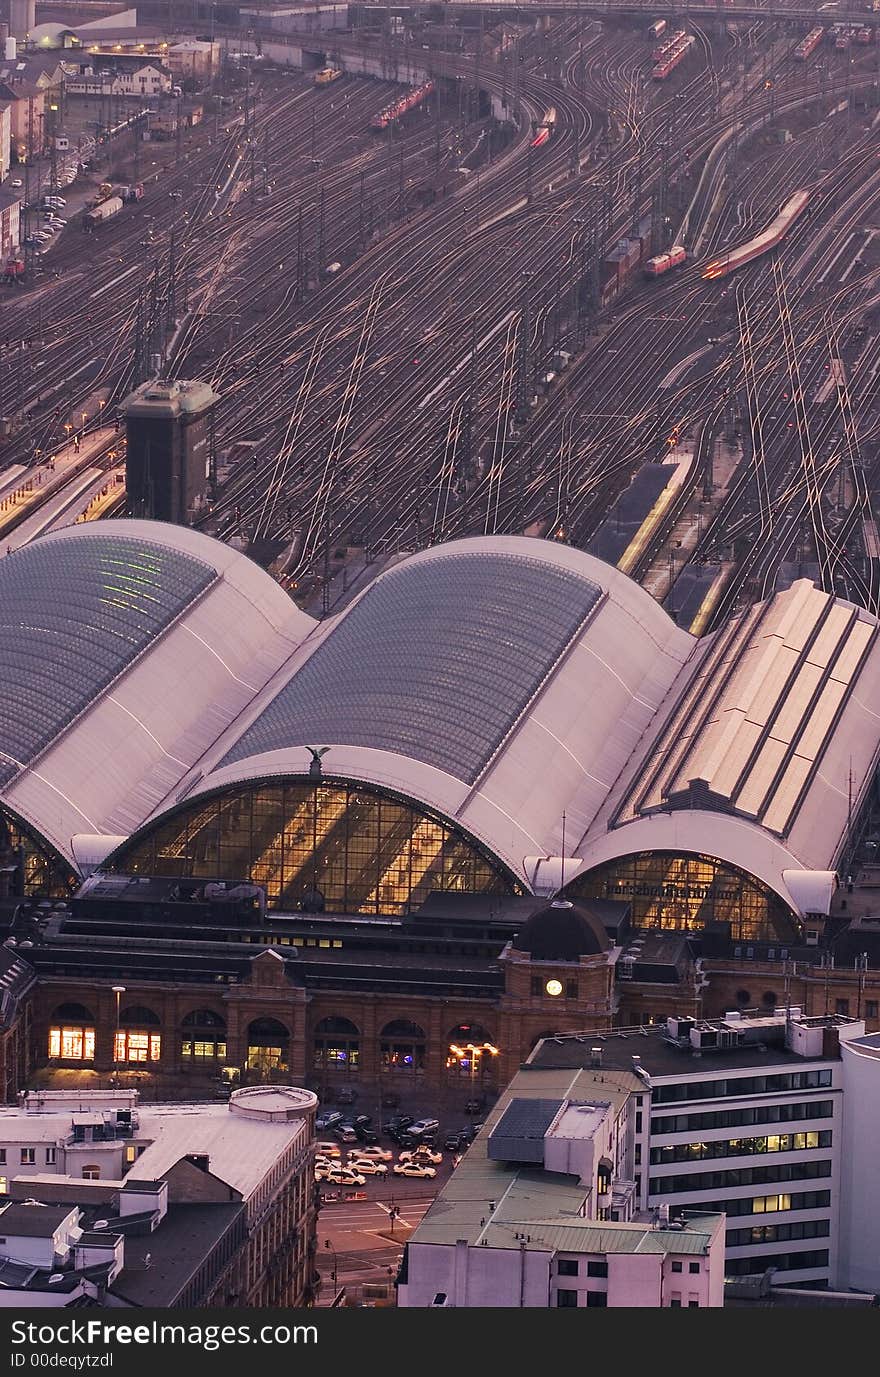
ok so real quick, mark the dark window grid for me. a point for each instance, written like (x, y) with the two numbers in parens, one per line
(740, 1118)
(744, 1176)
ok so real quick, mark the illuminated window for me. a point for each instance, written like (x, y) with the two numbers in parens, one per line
(342, 848)
(72, 1044)
(685, 892)
(4, 1186)
(131, 1153)
(133, 1046)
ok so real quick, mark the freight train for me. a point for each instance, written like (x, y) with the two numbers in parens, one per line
(762, 243)
(662, 262)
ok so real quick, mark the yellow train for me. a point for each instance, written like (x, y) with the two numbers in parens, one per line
(326, 75)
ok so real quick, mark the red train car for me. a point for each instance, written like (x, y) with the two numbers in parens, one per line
(408, 101)
(762, 243)
(809, 44)
(662, 262)
(545, 129)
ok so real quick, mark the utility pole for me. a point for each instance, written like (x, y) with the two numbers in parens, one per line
(320, 265)
(300, 262)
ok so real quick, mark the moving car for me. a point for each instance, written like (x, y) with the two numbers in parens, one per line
(371, 1154)
(367, 1167)
(421, 1154)
(345, 1176)
(413, 1169)
(326, 1148)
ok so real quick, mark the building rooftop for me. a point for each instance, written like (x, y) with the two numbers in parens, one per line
(241, 1151)
(33, 1221)
(159, 1265)
(651, 1048)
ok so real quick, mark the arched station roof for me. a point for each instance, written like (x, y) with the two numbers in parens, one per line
(499, 682)
(128, 646)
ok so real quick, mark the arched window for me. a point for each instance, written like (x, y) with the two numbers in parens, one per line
(204, 1036)
(72, 1033)
(137, 1040)
(91, 1173)
(469, 1054)
(268, 1046)
(341, 847)
(402, 1047)
(337, 1045)
(685, 892)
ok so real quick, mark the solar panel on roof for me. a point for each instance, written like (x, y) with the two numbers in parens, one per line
(436, 661)
(73, 615)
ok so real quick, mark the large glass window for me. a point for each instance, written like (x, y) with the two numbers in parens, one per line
(336, 846)
(204, 1036)
(43, 871)
(402, 1047)
(138, 1038)
(685, 892)
(337, 1045)
(72, 1033)
(268, 1046)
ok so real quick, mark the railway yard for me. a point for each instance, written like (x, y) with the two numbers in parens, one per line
(445, 326)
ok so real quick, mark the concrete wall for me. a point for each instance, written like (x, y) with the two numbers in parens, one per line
(859, 1197)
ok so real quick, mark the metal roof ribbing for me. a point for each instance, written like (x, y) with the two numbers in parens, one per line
(588, 1237)
(74, 615)
(757, 717)
(436, 661)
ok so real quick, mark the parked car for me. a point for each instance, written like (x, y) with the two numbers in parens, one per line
(398, 1123)
(362, 1120)
(346, 1095)
(345, 1176)
(421, 1154)
(367, 1167)
(475, 1106)
(322, 1171)
(457, 1141)
(345, 1133)
(366, 1135)
(423, 1126)
(390, 1100)
(372, 1154)
(328, 1120)
(16, 182)
(413, 1169)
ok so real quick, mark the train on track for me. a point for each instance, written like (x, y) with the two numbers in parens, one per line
(657, 28)
(662, 262)
(545, 129)
(768, 239)
(408, 101)
(672, 56)
(809, 44)
(327, 75)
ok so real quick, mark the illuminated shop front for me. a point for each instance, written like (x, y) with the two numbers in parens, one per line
(686, 892)
(138, 1039)
(72, 1034)
(343, 847)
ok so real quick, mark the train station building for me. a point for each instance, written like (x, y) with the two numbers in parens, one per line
(500, 794)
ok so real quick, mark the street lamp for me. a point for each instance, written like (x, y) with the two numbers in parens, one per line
(474, 1051)
(117, 990)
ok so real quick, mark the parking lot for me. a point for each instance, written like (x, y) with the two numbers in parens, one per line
(349, 1128)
